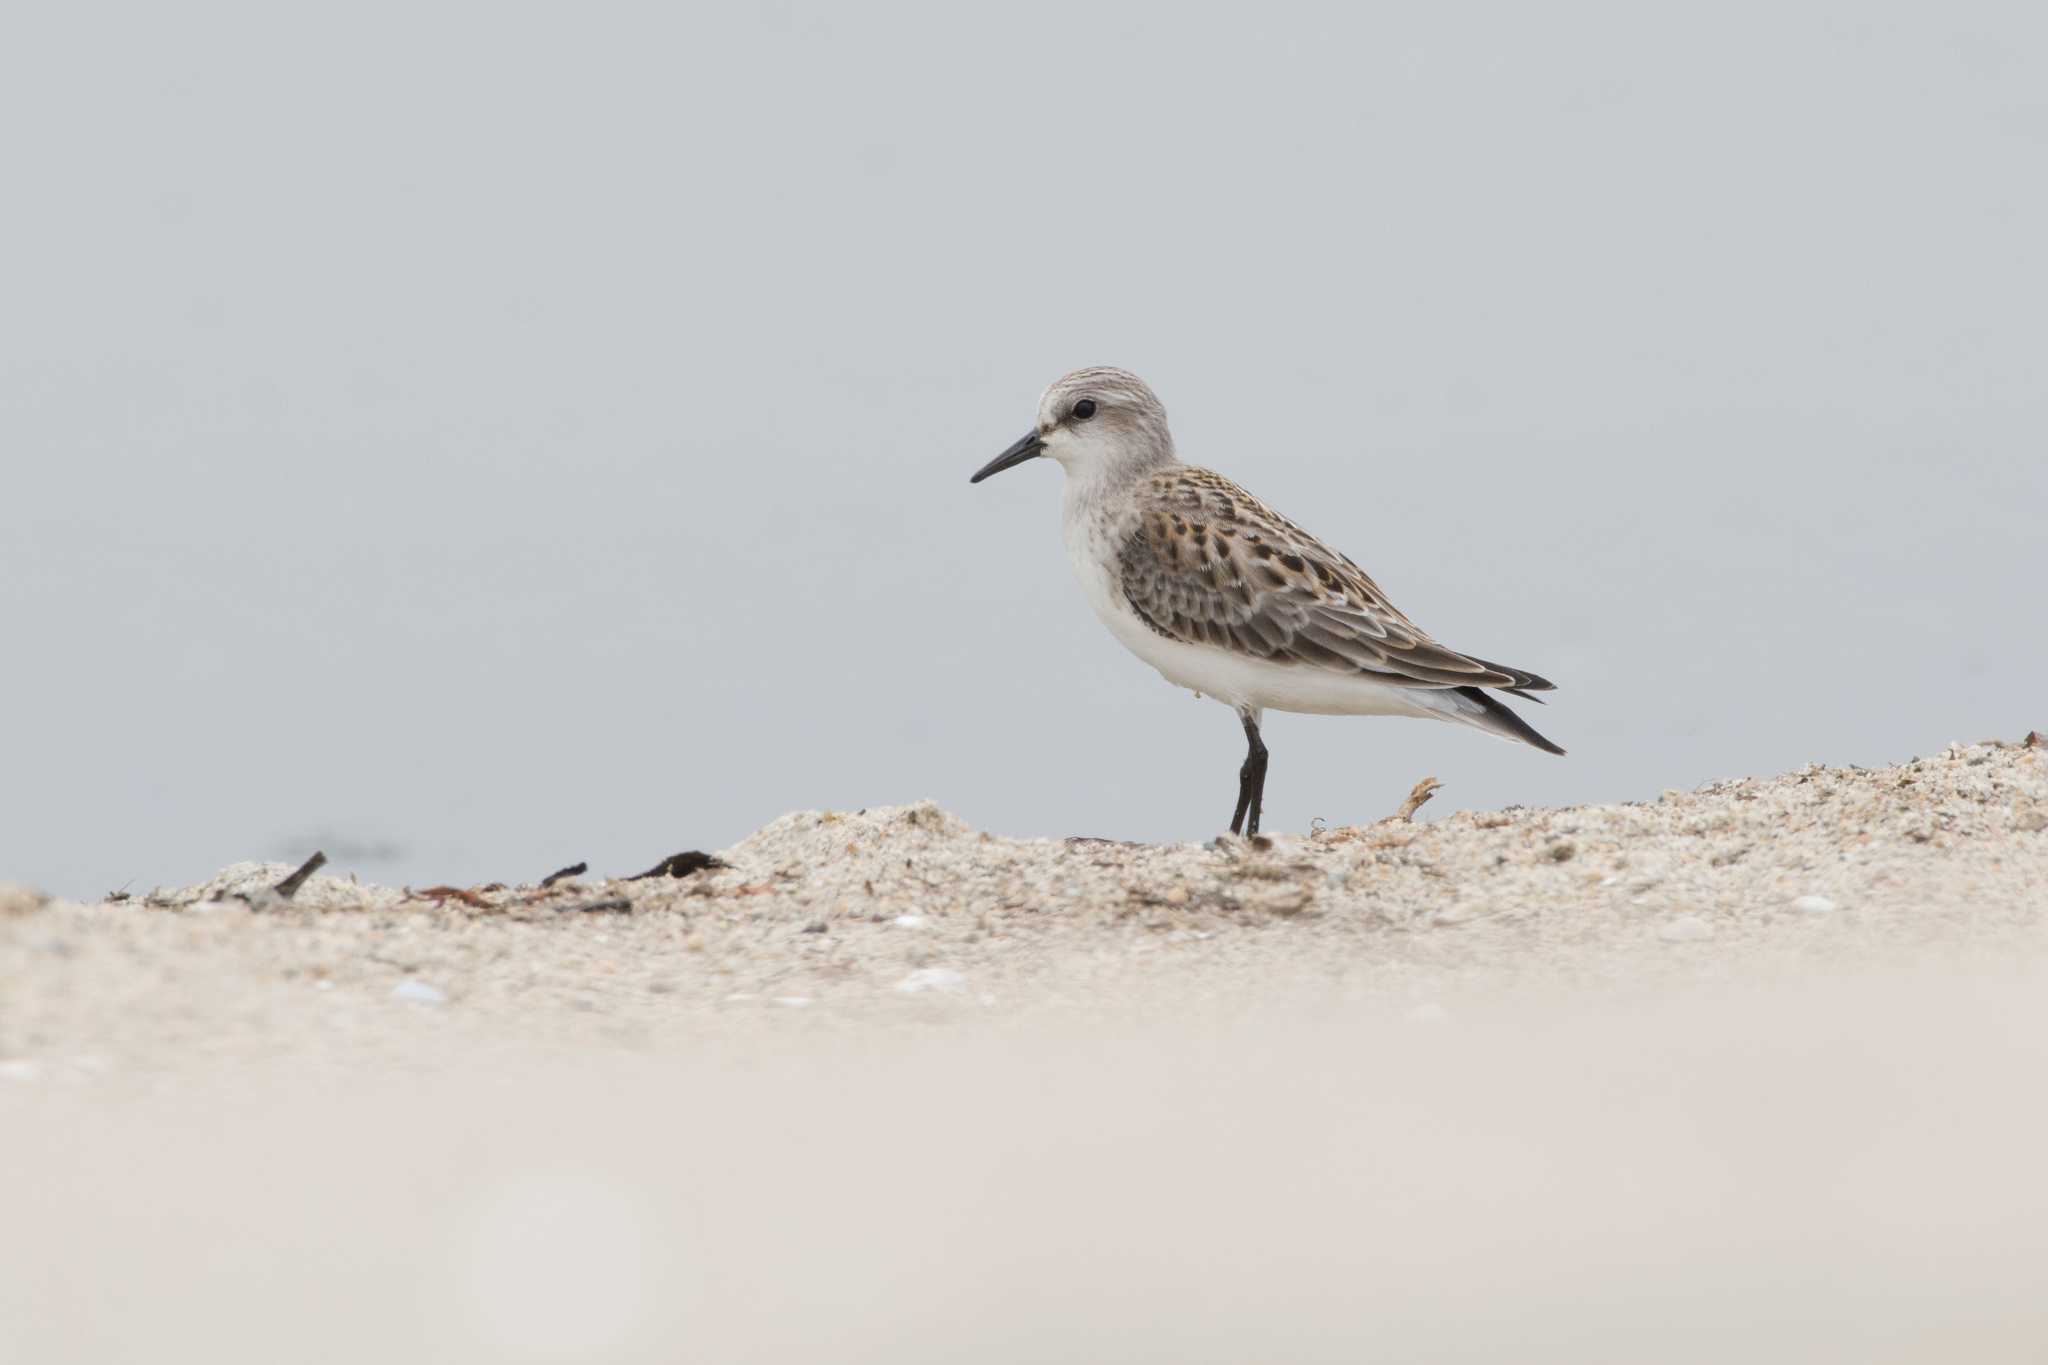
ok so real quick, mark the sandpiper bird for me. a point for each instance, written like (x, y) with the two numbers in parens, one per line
(1226, 597)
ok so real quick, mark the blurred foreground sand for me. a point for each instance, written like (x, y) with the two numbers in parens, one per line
(1754, 1072)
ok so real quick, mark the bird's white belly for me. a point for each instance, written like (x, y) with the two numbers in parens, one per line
(1236, 679)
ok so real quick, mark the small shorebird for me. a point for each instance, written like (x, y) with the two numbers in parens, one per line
(1226, 597)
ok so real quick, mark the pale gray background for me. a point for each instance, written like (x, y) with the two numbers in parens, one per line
(474, 438)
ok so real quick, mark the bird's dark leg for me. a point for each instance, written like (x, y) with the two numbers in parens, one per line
(1251, 778)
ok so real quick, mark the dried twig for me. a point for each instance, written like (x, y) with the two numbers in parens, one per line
(289, 887)
(616, 904)
(681, 865)
(441, 895)
(1418, 797)
(573, 870)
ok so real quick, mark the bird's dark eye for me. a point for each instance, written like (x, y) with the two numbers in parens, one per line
(1084, 409)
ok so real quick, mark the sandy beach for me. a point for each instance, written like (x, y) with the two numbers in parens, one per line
(1750, 1069)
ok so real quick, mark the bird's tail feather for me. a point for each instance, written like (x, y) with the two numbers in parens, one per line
(1525, 682)
(1477, 708)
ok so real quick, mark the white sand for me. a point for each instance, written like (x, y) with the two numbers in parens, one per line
(1753, 1071)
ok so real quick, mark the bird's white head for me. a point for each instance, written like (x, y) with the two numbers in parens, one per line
(1100, 424)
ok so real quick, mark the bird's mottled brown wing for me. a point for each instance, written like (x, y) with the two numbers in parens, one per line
(1207, 563)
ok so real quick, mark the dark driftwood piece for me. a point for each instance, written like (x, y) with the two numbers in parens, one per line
(573, 870)
(289, 887)
(681, 865)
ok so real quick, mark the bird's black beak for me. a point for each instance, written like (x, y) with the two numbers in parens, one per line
(1029, 446)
